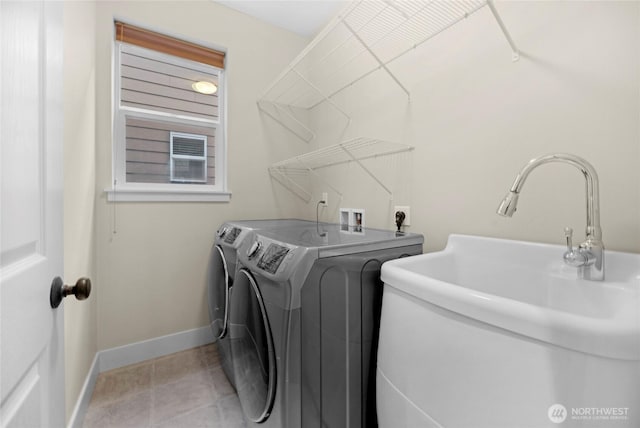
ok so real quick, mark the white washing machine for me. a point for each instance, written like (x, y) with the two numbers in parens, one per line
(221, 274)
(303, 326)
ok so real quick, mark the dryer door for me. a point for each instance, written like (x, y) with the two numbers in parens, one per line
(218, 283)
(252, 348)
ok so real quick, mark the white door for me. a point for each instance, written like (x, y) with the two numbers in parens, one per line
(31, 332)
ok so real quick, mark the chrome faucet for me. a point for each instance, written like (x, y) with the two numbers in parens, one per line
(589, 256)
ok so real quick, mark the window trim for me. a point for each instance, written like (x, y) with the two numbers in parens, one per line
(135, 193)
(120, 190)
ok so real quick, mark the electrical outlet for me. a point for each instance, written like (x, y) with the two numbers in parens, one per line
(325, 199)
(357, 220)
(407, 212)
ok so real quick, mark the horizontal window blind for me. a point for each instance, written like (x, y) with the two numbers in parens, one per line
(186, 146)
(169, 45)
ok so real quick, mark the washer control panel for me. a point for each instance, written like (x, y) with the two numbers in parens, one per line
(269, 256)
(231, 235)
(272, 258)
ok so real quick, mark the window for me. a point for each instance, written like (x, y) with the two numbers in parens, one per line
(169, 131)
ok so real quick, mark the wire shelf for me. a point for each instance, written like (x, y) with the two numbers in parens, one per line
(355, 150)
(366, 36)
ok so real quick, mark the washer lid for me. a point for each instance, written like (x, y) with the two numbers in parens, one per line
(331, 240)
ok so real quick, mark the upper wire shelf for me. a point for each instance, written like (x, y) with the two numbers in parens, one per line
(366, 36)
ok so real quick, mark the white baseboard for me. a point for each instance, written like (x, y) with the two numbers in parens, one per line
(133, 353)
(153, 348)
(80, 409)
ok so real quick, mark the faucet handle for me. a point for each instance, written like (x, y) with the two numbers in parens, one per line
(568, 234)
(572, 257)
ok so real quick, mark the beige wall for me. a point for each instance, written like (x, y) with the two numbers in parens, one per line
(79, 195)
(152, 257)
(475, 118)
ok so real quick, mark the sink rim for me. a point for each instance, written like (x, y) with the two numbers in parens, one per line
(614, 337)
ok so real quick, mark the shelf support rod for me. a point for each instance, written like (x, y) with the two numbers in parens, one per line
(365, 169)
(279, 175)
(515, 54)
(329, 100)
(292, 117)
(312, 171)
(380, 63)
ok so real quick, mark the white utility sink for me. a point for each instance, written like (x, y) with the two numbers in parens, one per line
(494, 333)
(526, 288)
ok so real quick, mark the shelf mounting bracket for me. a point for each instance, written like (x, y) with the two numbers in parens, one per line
(515, 53)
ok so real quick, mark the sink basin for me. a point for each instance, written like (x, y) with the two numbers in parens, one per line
(494, 333)
(526, 288)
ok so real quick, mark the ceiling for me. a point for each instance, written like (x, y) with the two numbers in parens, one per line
(303, 17)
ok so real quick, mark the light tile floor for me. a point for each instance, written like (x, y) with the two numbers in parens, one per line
(185, 389)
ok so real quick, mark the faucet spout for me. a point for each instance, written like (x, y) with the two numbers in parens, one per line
(592, 248)
(508, 205)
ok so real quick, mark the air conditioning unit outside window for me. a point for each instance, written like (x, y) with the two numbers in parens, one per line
(188, 162)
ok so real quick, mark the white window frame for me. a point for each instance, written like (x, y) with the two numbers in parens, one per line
(121, 191)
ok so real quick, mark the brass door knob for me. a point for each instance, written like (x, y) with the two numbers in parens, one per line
(59, 291)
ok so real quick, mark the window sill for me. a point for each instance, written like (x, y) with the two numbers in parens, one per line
(164, 194)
